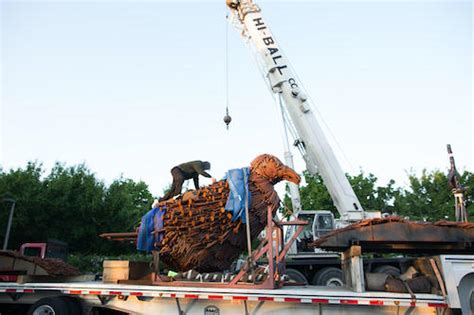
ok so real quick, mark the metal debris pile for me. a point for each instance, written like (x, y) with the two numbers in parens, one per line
(258, 275)
(394, 234)
(420, 277)
(51, 266)
(375, 221)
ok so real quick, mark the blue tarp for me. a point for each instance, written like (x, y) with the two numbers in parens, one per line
(151, 221)
(239, 190)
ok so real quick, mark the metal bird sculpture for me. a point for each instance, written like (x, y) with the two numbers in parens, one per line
(199, 233)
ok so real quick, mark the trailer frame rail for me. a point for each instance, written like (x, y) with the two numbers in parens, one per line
(307, 294)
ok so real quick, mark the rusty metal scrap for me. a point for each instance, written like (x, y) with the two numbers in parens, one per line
(51, 266)
(123, 236)
(419, 284)
(198, 231)
(394, 234)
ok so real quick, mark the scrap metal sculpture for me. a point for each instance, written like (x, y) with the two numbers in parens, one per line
(199, 233)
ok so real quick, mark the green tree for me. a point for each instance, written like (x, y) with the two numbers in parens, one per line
(467, 179)
(70, 204)
(314, 195)
(25, 186)
(429, 196)
(125, 203)
(74, 198)
(371, 196)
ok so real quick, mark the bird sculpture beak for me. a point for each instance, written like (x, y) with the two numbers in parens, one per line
(290, 175)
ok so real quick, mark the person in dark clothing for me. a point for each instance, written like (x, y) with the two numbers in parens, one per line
(186, 171)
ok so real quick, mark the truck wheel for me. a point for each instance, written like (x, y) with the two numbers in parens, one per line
(466, 294)
(329, 277)
(296, 276)
(387, 269)
(49, 306)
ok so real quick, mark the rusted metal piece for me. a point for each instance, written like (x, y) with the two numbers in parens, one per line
(394, 234)
(199, 233)
(122, 236)
(15, 262)
(439, 278)
(419, 284)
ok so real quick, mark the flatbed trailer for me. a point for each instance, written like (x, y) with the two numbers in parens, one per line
(194, 300)
(457, 272)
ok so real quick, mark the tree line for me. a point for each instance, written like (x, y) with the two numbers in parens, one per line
(428, 196)
(71, 204)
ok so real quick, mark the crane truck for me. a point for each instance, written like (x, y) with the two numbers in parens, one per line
(454, 274)
(305, 264)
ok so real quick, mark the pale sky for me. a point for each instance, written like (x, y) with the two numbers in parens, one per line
(135, 88)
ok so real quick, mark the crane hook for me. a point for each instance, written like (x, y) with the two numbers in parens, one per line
(227, 118)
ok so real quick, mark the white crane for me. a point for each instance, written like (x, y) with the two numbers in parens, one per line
(298, 116)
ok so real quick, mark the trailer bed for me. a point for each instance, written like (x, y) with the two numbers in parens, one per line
(168, 300)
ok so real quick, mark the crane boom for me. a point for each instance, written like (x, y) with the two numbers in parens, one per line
(283, 83)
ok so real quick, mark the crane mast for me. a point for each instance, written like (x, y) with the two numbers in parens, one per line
(281, 80)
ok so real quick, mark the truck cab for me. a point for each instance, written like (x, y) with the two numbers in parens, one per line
(49, 249)
(321, 222)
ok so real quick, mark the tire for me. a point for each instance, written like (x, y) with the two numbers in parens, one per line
(387, 269)
(328, 277)
(49, 306)
(466, 294)
(73, 304)
(296, 276)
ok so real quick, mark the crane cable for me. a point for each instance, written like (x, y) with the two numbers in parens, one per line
(227, 62)
(227, 118)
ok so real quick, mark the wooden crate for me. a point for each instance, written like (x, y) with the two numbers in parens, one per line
(117, 270)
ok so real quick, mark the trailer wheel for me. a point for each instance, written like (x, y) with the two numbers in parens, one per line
(387, 269)
(296, 276)
(49, 306)
(329, 277)
(73, 304)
